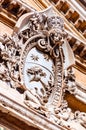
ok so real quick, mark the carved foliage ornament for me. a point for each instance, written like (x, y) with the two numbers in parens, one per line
(37, 58)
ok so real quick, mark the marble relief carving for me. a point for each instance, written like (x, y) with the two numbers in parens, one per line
(38, 59)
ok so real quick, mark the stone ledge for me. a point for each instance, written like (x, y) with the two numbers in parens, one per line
(27, 115)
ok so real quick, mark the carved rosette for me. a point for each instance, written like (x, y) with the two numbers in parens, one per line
(34, 59)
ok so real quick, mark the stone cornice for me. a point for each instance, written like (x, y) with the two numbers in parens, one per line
(13, 9)
(12, 105)
(29, 116)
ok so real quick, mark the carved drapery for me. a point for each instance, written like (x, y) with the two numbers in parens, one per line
(36, 58)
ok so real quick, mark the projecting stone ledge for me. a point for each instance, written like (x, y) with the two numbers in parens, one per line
(13, 108)
(13, 113)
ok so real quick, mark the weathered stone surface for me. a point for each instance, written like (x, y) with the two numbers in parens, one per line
(36, 69)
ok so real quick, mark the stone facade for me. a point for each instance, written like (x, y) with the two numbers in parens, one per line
(38, 85)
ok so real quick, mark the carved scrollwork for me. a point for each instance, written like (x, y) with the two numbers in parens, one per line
(43, 45)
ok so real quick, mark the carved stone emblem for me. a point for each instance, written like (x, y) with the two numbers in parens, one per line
(38, 59)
